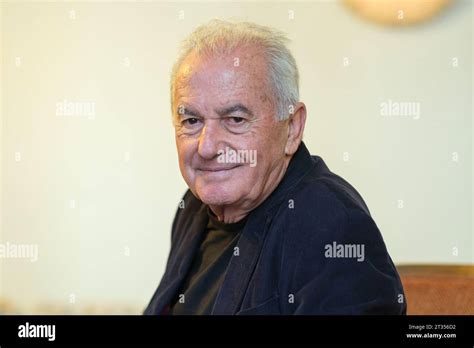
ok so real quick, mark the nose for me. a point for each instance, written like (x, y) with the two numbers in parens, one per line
(209, 139)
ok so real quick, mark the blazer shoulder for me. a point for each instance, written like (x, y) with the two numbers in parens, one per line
(324, 196)
(323, 208)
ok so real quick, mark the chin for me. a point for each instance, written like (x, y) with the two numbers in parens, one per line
(217, 194)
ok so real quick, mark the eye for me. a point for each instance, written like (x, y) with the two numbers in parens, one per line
(190, 121)
(237, 124)
(236, 119)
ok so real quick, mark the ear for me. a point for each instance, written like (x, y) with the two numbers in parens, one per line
(296, 124)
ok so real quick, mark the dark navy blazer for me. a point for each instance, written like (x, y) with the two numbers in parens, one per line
(283, 265)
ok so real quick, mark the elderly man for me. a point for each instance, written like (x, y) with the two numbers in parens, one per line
(265, 228)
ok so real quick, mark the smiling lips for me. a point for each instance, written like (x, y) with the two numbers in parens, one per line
(217, 169)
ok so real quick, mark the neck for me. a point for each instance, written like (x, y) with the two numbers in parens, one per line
(228, 214)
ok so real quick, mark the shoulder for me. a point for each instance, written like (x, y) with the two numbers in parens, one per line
(324, 209)
(332, 244)
(322, 198)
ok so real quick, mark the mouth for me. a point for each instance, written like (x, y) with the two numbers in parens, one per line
(216, 170)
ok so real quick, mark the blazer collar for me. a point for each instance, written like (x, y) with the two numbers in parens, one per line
(300, 164)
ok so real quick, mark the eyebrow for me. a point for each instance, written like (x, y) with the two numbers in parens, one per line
(188, 112)
(234, 108)
(221, 112)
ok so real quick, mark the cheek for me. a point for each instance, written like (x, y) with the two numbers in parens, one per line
(186, 151)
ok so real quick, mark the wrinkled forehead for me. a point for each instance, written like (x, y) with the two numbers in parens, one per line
(244, 70)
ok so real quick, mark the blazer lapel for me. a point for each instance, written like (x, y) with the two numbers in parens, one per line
(181, 262)
(240, 268)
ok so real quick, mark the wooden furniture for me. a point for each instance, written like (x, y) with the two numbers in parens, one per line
(438, 289)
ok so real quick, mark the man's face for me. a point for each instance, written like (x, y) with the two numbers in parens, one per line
(223, 104)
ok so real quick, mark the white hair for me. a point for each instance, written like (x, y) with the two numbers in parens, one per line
(222, 37)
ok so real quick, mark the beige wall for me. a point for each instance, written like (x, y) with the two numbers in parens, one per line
(97, 192)
(1, 143)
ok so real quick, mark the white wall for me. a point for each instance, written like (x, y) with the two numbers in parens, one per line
(98, 194)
